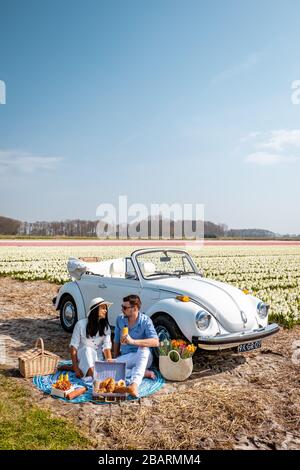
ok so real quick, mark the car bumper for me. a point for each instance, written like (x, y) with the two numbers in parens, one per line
(231, 340)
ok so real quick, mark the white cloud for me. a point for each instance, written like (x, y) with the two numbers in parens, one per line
(16, 161)
(282, 139)
(274, 147)
(250, 61)
(267, 158)
(250, 137)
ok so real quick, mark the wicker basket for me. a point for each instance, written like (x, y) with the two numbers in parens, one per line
(175, 371)
(37, 361)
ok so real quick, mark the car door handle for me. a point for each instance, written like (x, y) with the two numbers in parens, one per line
(102, 286)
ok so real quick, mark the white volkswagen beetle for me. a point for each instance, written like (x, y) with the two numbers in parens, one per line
(178, 298)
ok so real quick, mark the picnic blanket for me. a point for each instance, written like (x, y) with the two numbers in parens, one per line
(44, 383)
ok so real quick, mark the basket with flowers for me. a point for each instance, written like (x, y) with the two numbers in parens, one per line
(175, 359)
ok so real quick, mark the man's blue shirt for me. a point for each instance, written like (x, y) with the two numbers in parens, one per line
(142, 329)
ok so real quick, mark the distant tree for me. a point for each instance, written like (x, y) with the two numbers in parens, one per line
(9, 226)
(250, 233)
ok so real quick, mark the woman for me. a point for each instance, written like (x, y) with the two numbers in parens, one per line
(91, 339)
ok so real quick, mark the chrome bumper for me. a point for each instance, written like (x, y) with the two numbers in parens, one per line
(236, 338)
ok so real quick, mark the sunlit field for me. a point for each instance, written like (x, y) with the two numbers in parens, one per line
(270, 272)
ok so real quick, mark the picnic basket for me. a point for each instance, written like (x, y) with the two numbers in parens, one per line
(103, 370)
(37, 361)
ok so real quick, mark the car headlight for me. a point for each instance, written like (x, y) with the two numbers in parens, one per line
(202, 320)
(262, 310)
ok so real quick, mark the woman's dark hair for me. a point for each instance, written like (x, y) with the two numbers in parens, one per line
(96, 325)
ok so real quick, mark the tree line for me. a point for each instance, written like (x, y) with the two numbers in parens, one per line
(89, 228)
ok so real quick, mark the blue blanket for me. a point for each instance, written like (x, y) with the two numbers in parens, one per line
(44, 383)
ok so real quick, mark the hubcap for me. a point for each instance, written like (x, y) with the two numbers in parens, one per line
(69, 314)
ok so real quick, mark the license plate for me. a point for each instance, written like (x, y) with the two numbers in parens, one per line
(249, 346)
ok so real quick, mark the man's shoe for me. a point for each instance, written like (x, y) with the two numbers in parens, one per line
(133, 390)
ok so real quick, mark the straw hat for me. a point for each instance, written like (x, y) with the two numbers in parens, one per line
(98, 301)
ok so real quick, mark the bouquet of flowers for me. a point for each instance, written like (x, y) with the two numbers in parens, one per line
(184, 349)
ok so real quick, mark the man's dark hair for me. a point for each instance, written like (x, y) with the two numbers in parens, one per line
(134, 300)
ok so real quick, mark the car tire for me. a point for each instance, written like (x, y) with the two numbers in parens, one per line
(68, 313)
(166, 328)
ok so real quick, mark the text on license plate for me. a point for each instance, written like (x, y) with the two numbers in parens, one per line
(249, 346)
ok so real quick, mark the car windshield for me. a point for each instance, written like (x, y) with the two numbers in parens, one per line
(163, 263)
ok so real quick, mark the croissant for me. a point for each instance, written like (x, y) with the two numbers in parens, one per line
(119, 389)
(105, 382)
(111, 386)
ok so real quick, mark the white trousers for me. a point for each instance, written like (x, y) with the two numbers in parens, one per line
(136, 364)
(87, 357)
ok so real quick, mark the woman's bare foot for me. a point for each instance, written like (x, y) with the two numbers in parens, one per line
(149, 374)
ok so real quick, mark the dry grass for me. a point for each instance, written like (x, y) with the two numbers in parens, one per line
(207, 415)
(247, 401)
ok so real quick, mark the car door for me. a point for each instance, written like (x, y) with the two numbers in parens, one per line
(90, 286)
(114, 290)
(149, 295)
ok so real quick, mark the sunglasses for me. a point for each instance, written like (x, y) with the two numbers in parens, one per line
(125, 308)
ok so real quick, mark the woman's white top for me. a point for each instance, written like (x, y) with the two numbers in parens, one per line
(80, 340)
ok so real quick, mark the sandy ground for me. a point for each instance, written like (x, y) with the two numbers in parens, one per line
(254, 396)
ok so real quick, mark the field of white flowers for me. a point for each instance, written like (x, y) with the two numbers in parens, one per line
(272, 273)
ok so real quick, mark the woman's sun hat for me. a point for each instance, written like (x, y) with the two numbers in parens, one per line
(98, 301)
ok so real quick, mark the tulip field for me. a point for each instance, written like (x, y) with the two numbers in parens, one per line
(270, 272)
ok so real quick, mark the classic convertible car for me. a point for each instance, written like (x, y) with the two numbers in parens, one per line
(178, 298)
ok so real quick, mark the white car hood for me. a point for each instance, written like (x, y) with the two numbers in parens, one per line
(229, 305)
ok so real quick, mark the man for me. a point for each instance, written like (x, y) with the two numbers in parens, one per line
(134, 347)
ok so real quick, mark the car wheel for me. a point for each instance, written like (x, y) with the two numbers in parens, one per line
(68, 313)
(166, 328)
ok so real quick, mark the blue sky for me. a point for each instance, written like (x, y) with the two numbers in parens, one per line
(163, 101)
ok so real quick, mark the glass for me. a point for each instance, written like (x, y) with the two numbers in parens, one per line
(166, 263)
